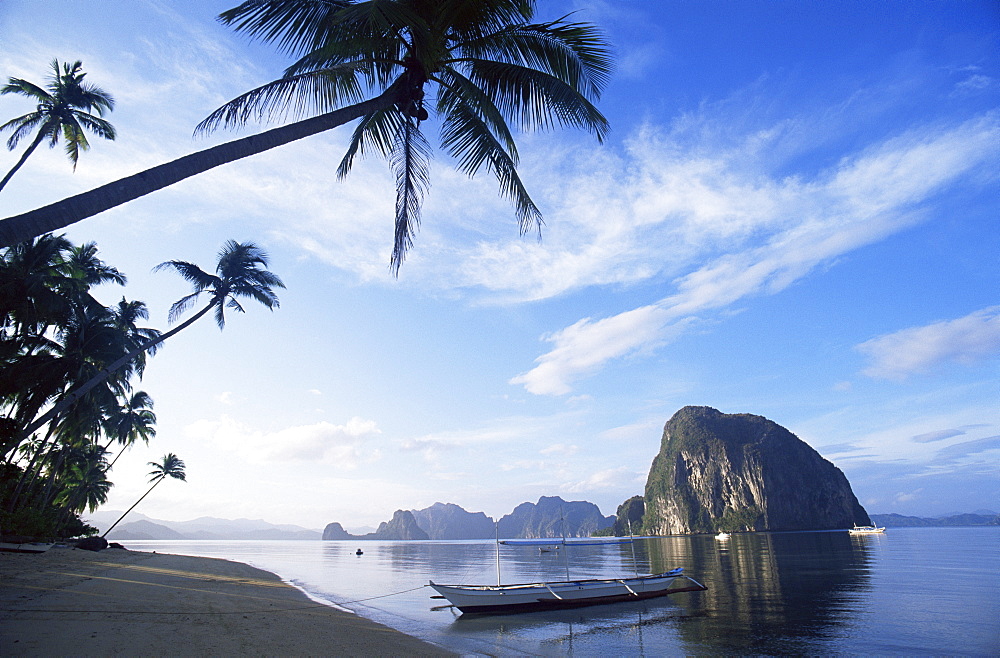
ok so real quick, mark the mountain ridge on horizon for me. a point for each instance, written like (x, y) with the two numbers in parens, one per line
(146, 527)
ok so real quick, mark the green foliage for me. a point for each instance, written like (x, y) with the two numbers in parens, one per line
(736, 520)
(604, 532)
(485, 64)
(65, 109)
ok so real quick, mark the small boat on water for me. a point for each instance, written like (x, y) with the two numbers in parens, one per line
(866, 530)
(554, 595)
(28, 547)
(722, 536)
(527, 597)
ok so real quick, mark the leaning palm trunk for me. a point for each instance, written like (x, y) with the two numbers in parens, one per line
(24, 158)
(27, 480)
(68, 211)
(136, 504)
(87, 386)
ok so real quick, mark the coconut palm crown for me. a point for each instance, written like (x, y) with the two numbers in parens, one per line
(480, 67)
(67, 107)
(484, 63)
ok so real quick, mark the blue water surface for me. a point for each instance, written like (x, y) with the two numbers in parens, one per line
(909, 591)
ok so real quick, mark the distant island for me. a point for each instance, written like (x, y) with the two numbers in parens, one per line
(202, 528)
(714, 472)
(984, 517)
(551, 516)
(741, 472)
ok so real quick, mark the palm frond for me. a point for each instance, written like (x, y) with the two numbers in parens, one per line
(97, 125)
(26, 88)
(311, 91)
(575, 53)
(179, 307)
(22, 125)
(293, 25)
(410, 159)
(535, 99)
(457, 90)
(377, 130)
(197, 277)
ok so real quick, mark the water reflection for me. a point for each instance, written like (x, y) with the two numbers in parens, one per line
(769, 593)
(785, 593)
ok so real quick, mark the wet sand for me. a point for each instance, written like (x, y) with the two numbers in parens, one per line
(116, 602)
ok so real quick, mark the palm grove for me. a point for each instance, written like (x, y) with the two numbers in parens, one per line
(70, 368)
(471, 68)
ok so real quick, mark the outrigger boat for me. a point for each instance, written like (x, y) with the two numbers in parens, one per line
(499, 599)
(529, 597)
(25, 547)
(866, 530)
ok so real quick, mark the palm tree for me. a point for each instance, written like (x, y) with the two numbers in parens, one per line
(485, 62)
(131, 422)
(64, 108)
(85, 486)
(241, 272)
(171, 466)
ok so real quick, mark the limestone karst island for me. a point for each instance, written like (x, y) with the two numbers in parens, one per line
(714, 472)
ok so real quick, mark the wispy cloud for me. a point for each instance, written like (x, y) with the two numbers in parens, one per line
(341, 446)
(780, 230)
(939, 435)
(915, 350)
(967, 448)
(610, 478)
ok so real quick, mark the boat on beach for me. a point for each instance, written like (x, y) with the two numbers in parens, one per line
(26, 547)
(866, 530)
(554, 595)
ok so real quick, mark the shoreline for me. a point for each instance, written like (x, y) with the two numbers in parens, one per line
(69, 601)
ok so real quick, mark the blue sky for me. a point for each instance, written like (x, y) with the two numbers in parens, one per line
(795, 216)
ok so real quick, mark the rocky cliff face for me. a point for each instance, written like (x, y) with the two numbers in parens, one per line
(401, 526)
(552, 517)
(629, 518)
(336, 531)
(720, 471)
(449, 521)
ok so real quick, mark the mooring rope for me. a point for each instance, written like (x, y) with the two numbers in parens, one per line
(317, 606)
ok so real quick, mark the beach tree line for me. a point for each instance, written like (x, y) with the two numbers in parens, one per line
(70, 368)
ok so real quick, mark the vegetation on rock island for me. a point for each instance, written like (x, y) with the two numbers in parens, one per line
(69, 367)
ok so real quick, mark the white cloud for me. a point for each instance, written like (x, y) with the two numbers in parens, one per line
(586, 345)
(560, 449)
(611, 478)
(342, 446)
(965, 340)
(788, 228)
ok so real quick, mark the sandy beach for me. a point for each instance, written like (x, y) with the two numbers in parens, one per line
(69, 601)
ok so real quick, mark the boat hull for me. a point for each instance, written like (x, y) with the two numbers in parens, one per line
(505, 599)
(30, 547)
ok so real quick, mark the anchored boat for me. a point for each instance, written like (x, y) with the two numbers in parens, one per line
(550, 595)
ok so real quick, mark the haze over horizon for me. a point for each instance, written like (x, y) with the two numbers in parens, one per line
(795, 216)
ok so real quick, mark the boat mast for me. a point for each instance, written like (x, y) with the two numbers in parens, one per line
(497, 525)
(631, 541)
(562, 517)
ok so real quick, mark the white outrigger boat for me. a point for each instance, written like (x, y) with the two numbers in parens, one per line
(25, 547)
(498, 599)
(553, 595)
(866, 530)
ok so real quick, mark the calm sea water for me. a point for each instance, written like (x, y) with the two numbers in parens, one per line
(910, 591)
